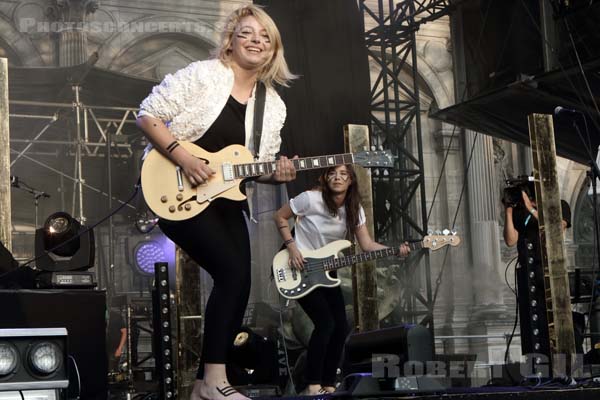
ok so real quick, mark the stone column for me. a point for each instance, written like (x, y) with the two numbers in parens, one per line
(72, 37)
(454, 301)
(5, 210)
(490, 315)
(483, 199)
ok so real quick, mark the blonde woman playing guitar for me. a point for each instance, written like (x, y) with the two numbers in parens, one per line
(211, 103)
(328, 213)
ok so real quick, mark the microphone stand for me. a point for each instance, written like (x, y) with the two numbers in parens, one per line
(37, 194)
(593, 174)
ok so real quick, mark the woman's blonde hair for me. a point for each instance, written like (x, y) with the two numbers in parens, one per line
(275, 69)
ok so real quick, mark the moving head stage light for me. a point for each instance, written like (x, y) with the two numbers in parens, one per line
(64, 249)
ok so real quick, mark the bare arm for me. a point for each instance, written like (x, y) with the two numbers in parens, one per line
(119, 349)
(160, 137)
(511, 236)
(281, 217)
(366, 243)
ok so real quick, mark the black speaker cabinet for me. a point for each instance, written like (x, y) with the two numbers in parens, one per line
(406, 342)
(83, 313)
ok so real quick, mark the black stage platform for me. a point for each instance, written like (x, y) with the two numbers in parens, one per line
(495, 393)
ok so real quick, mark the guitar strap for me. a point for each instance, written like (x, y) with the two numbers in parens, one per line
(259, 110)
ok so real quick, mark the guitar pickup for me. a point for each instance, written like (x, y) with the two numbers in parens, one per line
(227, 169)
(281, 275)
(179, 178)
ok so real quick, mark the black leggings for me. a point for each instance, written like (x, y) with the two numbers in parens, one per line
(325, 307)
(217, 239)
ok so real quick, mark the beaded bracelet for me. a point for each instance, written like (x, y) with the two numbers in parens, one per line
(289, 241)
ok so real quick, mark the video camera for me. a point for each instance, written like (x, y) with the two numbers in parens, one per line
(512, 196)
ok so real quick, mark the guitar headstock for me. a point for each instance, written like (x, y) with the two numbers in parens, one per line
(374, 159)
(437, 241)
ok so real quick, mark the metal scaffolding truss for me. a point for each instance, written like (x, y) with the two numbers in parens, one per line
(97, 132)
(399, 195)
(81, 132)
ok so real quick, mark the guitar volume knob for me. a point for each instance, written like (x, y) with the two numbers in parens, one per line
(179, 197)
(164, 199)
(172, 209)
(188, 207)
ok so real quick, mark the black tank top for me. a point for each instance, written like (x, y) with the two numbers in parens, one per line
(229, 128)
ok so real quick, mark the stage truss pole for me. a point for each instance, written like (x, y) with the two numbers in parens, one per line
(5, 202)
(399, 195)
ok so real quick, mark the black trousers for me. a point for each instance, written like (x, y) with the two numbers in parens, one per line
(325, 307)
(217, 239)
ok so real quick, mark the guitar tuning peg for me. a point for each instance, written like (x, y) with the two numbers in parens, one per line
(453, 232)
(373, 148)
(380, 148)
(385, 172)
(376, 172)
(429, 231)
(446, 232)
(438, 232)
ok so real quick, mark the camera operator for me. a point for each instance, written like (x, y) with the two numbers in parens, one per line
(521, 228)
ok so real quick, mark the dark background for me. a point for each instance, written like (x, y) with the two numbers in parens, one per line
(324, 44)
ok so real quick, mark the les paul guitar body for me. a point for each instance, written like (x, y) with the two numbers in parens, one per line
(170, 195)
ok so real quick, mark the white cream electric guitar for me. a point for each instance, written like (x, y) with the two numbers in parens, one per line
(171, 196)
(294, 284)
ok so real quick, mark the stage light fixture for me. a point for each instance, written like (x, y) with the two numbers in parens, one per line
(152, 249)
(8, 359)
(44, 358)
(61, 245)
(33, 359)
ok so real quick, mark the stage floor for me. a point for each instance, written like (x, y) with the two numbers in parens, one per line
(495, 393)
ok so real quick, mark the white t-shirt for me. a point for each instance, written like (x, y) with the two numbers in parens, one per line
(315, 227)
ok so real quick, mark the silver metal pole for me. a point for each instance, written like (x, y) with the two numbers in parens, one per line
(78, 156)
(44, 129)
(111, 249)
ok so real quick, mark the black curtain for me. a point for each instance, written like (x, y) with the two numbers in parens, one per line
(324, 44)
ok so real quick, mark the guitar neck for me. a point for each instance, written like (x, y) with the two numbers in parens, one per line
(264, 168)
(346, 261)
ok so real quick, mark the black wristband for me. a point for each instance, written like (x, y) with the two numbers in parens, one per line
(171, 146)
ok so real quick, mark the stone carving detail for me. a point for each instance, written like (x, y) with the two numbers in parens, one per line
(438, 56)
(71, 10)
(499, 152)
(73, 45)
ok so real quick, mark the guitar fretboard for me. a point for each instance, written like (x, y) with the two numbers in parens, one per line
(336, 263)
(264, 168)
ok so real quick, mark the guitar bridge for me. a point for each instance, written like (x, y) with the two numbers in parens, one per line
(227, 169)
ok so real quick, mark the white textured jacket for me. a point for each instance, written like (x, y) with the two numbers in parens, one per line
(190, 100)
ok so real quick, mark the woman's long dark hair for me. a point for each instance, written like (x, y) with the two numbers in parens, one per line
(351, 202)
